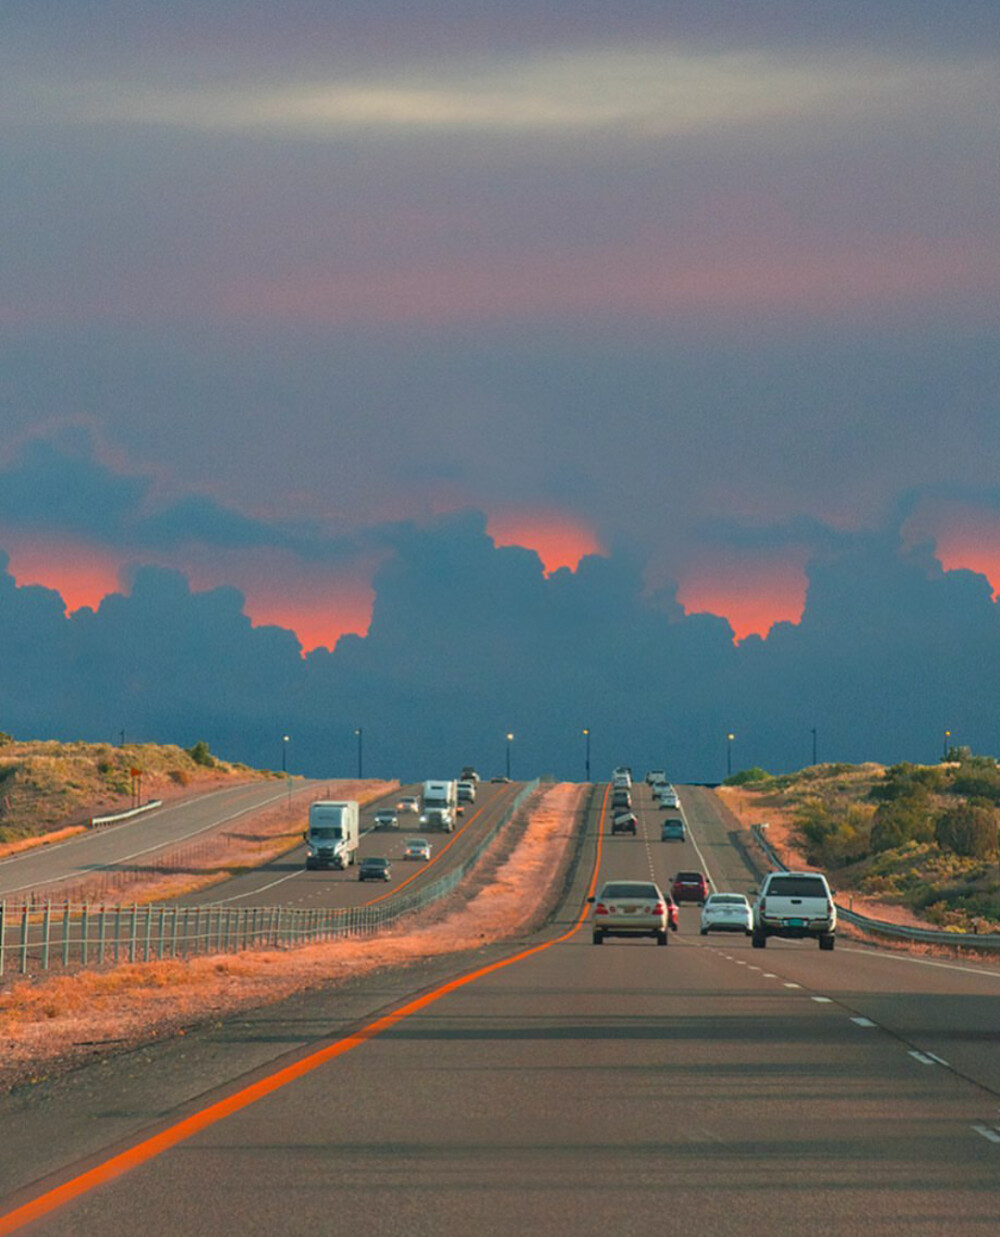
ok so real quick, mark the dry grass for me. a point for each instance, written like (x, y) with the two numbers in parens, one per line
(46, 787)
(59, 1021)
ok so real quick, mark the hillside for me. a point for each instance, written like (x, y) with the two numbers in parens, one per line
(920, 838)
(48, 788)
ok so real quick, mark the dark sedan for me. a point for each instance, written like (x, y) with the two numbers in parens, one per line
(374, 870)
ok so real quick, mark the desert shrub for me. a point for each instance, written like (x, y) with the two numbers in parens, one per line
(969, 829)
(5, 738)
(105, 766)
(747, 776)
(201, 755)
(903, 780)
(179, 777)
(834, 834)
(978, 782)
(909, 818)
(9, 772)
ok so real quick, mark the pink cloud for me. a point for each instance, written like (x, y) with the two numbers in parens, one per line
(559, 539)
(752, 589)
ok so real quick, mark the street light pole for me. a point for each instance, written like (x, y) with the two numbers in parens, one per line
(586, 735)
(510, 740)
(729, 754)
(946, 745)
(815, 761)
(284, 766)
(359, 731)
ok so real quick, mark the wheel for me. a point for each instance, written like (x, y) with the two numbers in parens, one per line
(759, 940)
(704, 932)
(598, 937)
(826, 941)
(661, 938)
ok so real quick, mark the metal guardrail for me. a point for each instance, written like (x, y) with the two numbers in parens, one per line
(42, 937)
(985, 941)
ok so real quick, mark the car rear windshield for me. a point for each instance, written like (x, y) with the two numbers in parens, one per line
(688, 877)
(797, 887)
(375, 863)
(629, 890)
(728, 899)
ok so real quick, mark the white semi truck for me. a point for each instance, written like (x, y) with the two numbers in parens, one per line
(439, 805)
(332, 836)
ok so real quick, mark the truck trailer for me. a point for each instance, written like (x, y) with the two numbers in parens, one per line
(439, 805)
(332, 836)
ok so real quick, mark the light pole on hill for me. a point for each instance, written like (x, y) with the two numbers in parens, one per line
(360, 733)
(586, 735)
(284, 765)
(510, 740)
(729, 754)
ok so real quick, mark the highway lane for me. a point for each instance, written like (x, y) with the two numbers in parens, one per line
(587, 1090)
(142, 837)
(287, 882)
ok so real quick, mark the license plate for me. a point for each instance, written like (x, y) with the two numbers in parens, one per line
(631, 910)
(796, 923)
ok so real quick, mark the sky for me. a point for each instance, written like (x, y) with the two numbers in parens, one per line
(688, 311)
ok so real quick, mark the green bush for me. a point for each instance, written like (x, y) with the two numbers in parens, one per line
(835, 834)
(969, 829)
(906, 779)
(978, 782)
(746, 776)
(909, 818)
(201, 755)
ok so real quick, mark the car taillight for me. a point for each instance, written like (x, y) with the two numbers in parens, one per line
(600, 909)
(658, 908)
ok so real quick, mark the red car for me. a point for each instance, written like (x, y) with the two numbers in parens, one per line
(690, 887)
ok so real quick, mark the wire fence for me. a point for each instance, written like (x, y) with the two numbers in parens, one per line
(985, 942)
(38, 937)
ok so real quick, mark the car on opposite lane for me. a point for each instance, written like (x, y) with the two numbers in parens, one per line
(374, 868)
(417, 848)
(410, 804)
(631, 908)
(726, 912)
(386, 818)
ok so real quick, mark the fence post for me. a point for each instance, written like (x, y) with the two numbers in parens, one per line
(133, 932)
(3, 929)
(149, 928)
(65, 931)
(46, 934)
(25, 929)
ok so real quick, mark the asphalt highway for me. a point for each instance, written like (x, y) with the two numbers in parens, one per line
(286, 881)
(141, 837)
(552, 1087)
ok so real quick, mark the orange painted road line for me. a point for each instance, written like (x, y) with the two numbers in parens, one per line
(182, 1130)
(440, 854)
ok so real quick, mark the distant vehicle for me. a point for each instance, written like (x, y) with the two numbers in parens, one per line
(417, 848)
(669, 800)
(374, 869)
(386, 818)
(621, 798)
(726, 912)
(439, 804)
(673, 830)
(655, 776)
(632, 908)
(795, 905)
(468, 774)
(332, 835)
(622, 777)
(690, 887)
(500, 778)
(466, 791)
(409, 803)
(624, 822)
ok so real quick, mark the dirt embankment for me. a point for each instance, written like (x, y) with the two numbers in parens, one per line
(58, 1022)
(49, 790)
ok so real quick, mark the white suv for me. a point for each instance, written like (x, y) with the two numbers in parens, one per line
(795, 905)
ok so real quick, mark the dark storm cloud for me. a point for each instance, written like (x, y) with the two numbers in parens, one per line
(470, 641)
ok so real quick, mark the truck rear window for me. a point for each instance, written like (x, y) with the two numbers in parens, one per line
(796, 887)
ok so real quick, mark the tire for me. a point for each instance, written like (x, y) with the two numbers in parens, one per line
(759, 940)
(661, 938)
(598, 937)
(704, 932)
(827, 941)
